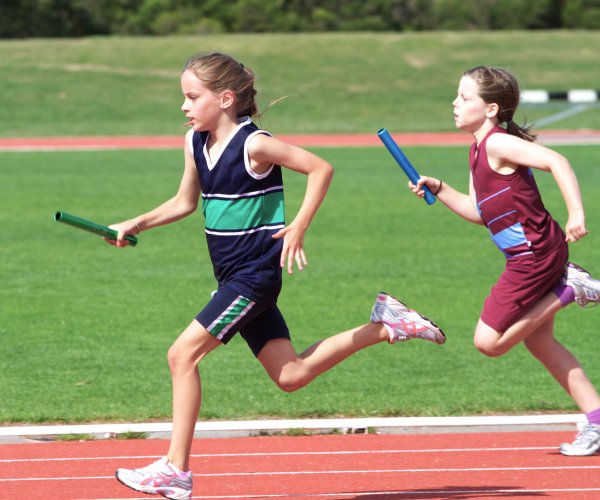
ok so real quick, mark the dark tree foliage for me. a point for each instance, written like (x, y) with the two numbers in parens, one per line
(76, 18)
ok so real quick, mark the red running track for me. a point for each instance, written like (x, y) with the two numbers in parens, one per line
(362, 467)
(303, 140)
(170, 142)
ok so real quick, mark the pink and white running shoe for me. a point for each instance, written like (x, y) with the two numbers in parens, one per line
(587, 289)
(158, 478)
(403, 323)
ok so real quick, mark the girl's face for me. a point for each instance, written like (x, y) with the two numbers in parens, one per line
(202, 108)
(470, 110)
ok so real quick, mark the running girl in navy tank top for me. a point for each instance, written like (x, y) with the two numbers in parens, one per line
(235, 169)
(537, 281)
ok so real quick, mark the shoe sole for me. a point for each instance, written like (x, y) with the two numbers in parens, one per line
(579, 454)
(439, 330)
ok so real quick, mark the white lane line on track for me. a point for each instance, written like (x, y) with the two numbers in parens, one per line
(332, 472)
(282, 454)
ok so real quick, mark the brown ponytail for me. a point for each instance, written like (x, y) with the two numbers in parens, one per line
(523, 132)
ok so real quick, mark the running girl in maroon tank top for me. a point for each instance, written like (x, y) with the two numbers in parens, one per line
(537, 281)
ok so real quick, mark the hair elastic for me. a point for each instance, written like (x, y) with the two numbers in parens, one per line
(136, 225)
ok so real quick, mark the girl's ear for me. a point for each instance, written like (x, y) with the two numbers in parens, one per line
(227, 99)
(492, 110)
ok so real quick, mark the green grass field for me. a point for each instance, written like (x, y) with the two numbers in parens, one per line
(85, 327)
(342, 82)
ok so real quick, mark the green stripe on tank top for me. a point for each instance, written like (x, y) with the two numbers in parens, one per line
(230, 316)
(243, 213)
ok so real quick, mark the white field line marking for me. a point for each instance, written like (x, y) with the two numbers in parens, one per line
(333, 472)
(580, 108)
(283, 454)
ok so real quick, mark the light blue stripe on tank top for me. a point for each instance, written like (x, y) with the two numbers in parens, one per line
(510, 237)
(500, 217)
(479, 203)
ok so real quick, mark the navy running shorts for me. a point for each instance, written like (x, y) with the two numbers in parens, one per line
(228, 313)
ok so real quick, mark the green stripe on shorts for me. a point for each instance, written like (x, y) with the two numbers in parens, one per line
(237, 310)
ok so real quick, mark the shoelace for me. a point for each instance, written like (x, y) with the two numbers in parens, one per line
(157, 466)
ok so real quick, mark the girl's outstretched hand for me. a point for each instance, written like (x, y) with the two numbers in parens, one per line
(575, 228)
(293, 248)
(123, 228)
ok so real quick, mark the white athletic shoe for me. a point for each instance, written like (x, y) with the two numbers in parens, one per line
(587, 289)
(586, 443)
(403, 323)
(158, 478)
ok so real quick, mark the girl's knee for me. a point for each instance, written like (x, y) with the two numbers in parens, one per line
(488, 341)
(182, 357)
(174, 357)
(290, 383)
(284, 367)
(489, 351)
(291, 379)
(488, 347)
(191, 347)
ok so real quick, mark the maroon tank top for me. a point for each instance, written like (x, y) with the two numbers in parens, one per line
(511, 207)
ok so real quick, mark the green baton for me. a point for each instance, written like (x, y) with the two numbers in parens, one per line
(92, 227)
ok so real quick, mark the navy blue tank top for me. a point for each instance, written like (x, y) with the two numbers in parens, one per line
(242, 210)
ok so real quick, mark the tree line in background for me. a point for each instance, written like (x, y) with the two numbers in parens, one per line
(76, 18)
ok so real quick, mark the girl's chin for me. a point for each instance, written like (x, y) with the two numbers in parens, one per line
(460, 126)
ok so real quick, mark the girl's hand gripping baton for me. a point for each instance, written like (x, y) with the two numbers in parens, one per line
(405, 165)
(92, 227)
